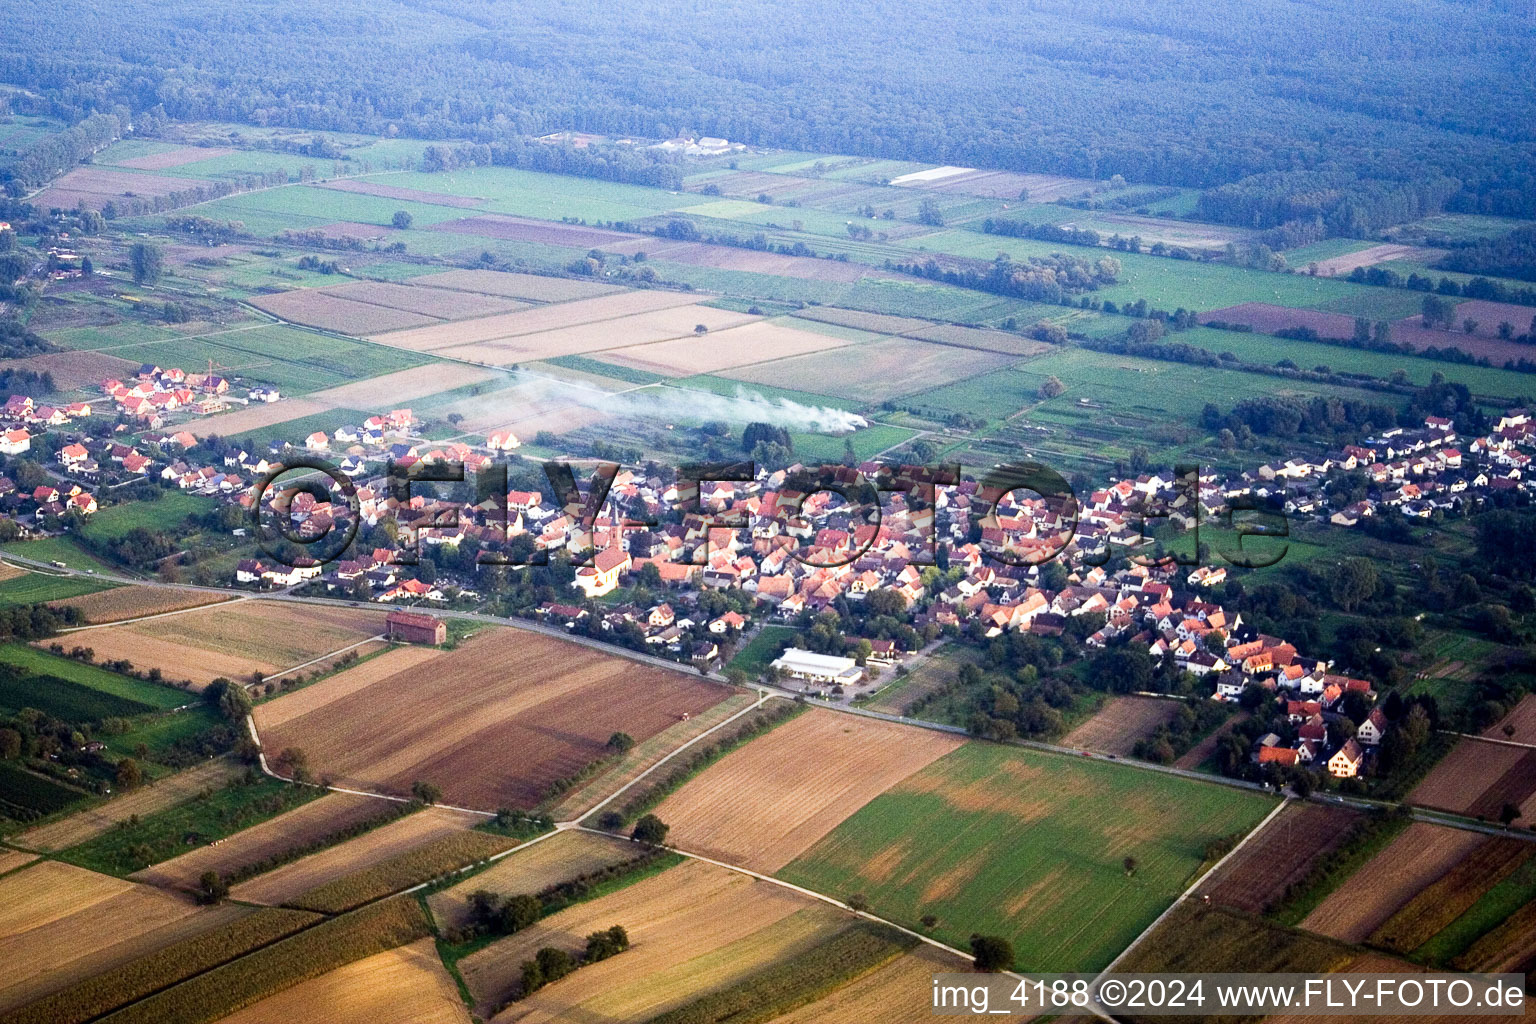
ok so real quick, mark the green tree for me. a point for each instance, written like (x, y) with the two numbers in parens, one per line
(426, 792)
(928, 212)
(1354, 581)
(401, 220)
(10, 744)
(148, 263)
(129, 775)
(621, 742)
(518, 913)
(993, 953)
(211, 888)
(1052, 387)
(650, 830)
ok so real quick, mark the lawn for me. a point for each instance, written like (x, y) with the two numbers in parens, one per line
(43, 663)
(762, 649)
(58, 549)
(169, 510)
(40, 588)
(867, 443)
(1031, 846)
(162, 732)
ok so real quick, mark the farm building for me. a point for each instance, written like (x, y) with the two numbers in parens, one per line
(416, 628)
(818, 668)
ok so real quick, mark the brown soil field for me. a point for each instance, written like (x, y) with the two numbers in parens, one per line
(897, 993)
(494, 722)
(409, 833)
(173, 158)
(751, 261)
(524, 229)
(75, 370)
(406, 985)
(878, 323)
(1516, 786)
(543, 320)
(1370, 257)
(693, 928)
(95, 186)
(415, 195)
(237, 639)
(1196, 755)
(1459, 781)
(874, 371)
(1446, 899)
(626, 331)
(723, 350)
(402, 658)
(10, 860)
(156, 796)
(1266, 319)
(767, 803)
(1121, 722)
(255, 417)
(564, 855)
(1279, 856)
(312, 821)
(977, 338)
(533, 287)
(10, 572)
(1043, 188)
(1415, 859)
(314, 308)
(434, 302)
(1523, 718)
(1380, 963)
(391, 389)
(53, 916)
(352, 229)
(131, 602)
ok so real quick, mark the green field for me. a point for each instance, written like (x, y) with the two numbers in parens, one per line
(1030, 846)
(769, 643)
(23, 792)
(40, 588)
(1327, 249)
(1492, 909)
(867, 443)
(58, 549)
(90, 676)
(169, 510)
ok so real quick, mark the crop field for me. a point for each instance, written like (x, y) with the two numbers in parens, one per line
(1478, 779)
(1279, 856)
(237, 640)
(537, 194)
(564, 855)
(1266, 319)
(438, 303)
(414, 195)
(53, 914)
(314, 821)
(257, 416)
(405, 985)
(1375, 963)
(10, 859)
(83, 826)
(1123, 721)
(73, 371)
(1199, 938)
(21, 790)
(494, 722)
(1370, 257)
(1523, 721)
(1029, 846)
(94, 187)
(93, 691)
(737, 347)
(402, 871)
(312, 307)
(1411, 862)
(693, 928)
(527, 287)
(612, 320)
(876, 371)
(20, 586)
(523, 229)
(406, 835)
(132, 602)
(765, 804)
(886, 995)
(166, 157)
(1445, 899)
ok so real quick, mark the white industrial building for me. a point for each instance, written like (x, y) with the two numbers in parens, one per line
(818, 668)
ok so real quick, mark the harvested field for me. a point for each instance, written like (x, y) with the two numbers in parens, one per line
(352, 229)
(132, 602)
(874, 371)
(1042, 188)
(10, 860)
(96, 186)
(410, 195)
(751, 261)
(236, 640)
(1379, 963)
(494, 722)
(402, 871)
(53, 914)
(693, 928)
(412, 832)
(255, 417)
(765, 804)
(690, 355)
(173, 158)
(295, 705)
(441, 303)
(75, 370)
(1339, 265)
(563, 856)
(1412, 861)
(314, 308)
(1478, 778)
(1267, 319)
(1122, 722)
(531, 287)
(146, 800)
(305, 824)
(525, 409)
(1509, 946)
(1522, 718)
(1446, 899)
(406, 985)
(392, 389)
(983, 340)
(548, 320)
(525, 229)
(1196, 755)
(1279, 856)
(895, 994)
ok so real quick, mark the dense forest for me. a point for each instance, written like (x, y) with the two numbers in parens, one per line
(1358, 114)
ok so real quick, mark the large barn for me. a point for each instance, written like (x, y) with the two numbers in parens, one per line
(416, 628)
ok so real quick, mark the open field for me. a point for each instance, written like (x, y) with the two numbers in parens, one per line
(306, 824)
(414, 195)
(312, 307)
(1445, 899)
(131, 602)
(1004, 342)
(1279, 856)
(1123, 721)
(638, 329)
(1029, 846)
(693, 928)
(21, 586)
(739, 346)
(524, 229)
(530, 287)
(562, 856)
(257, 416)
(236, 641)
(1394, 876)
(10, 859)
(399, 658)
(73, 371)
(770, 801)
(1378, 963)
(94, 187)
(876, 371)
(86, 825)
(381, 878)
(440, 303)
(494, 723)
(83, 683)
(616, 310)
(1344, 263)
(410, 833)
(1478, 779)
(1522, 718)
(405, 985)
(1198, 938)
(894, 994)
(173, 157)
(527, 407)
(392, 389)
